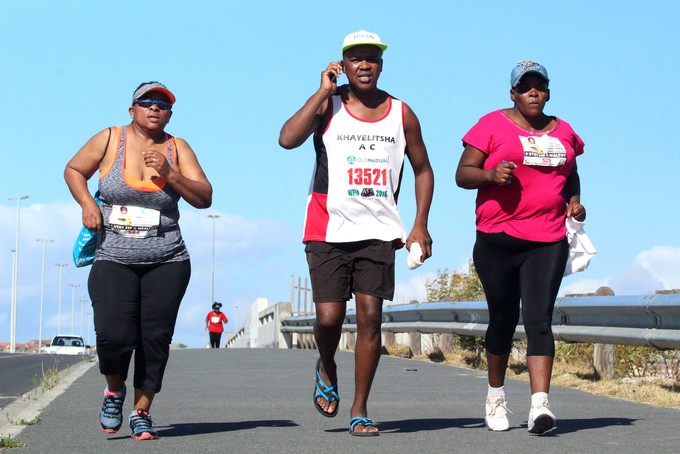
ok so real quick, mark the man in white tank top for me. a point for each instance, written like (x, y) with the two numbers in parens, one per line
(352, 225)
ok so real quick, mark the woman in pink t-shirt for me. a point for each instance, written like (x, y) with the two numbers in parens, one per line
(523, 164)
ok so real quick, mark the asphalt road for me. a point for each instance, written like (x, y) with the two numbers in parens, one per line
(260, 401)
(23, 373)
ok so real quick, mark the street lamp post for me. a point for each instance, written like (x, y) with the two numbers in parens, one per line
(73, 304)
(15, 282)
(89, 317)
(214, 217)
(61, 267)
(42, 290)
(82, 302)
(11, 284)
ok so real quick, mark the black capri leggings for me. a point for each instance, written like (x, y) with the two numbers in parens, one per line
(512, 269)
(215, 339)
(135, 308)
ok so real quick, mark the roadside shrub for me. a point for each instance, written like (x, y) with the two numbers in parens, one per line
(637, 362)
(574, 353)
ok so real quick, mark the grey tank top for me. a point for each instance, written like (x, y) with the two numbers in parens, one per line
(117, 188)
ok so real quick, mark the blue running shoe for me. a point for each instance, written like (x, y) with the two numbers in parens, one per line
(111, 415)
(142, 426)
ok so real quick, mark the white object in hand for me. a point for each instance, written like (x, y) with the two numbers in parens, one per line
(414, 256)
(581, 249)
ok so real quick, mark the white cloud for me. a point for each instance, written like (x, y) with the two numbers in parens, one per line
(586, 285)
(663, 264)
(413, 289)
(655, 269)
(634, 280)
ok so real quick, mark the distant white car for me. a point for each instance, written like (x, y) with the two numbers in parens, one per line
(68, 345)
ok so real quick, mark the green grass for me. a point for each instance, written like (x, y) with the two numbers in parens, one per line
(48, 380)
(9, 442)
(23, 422)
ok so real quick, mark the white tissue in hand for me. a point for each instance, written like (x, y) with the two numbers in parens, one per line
(413, 260)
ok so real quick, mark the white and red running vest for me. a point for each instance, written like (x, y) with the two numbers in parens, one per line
(357, 174)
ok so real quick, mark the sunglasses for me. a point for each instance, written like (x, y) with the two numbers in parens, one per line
(146, 103)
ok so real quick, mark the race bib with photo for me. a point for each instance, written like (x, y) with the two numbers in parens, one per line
(134, 222)
(543, 151)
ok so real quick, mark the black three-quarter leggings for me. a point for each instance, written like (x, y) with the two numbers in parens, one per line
(512, 269)
(135, 308)
(215, 339)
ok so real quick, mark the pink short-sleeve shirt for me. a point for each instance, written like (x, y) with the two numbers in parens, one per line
(532, 206)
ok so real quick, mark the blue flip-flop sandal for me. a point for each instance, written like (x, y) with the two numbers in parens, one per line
(329, 393)
(363, 422)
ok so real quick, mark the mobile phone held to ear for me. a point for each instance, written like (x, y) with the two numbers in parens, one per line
(332, 76)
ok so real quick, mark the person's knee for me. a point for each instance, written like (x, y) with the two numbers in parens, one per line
(537, 327)
(369, 312)
(498, 338)
(160, 331)
(368, 324)
(540, 340)
(115, 339)
(329, 319)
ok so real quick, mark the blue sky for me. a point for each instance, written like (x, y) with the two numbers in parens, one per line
(240, 69)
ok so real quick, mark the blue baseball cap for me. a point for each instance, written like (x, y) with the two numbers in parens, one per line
(527, 67)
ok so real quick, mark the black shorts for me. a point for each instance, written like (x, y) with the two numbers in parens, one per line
(339, 269)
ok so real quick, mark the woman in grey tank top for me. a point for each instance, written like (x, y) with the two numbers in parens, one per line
(141, 268)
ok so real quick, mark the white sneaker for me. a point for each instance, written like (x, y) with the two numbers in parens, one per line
(541, 419)
(496, 411)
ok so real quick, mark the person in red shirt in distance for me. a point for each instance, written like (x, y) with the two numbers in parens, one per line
(214, 324)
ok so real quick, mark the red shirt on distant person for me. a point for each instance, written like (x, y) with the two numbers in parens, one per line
(214, 320)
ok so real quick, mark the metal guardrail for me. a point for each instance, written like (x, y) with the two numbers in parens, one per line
(645, 320)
